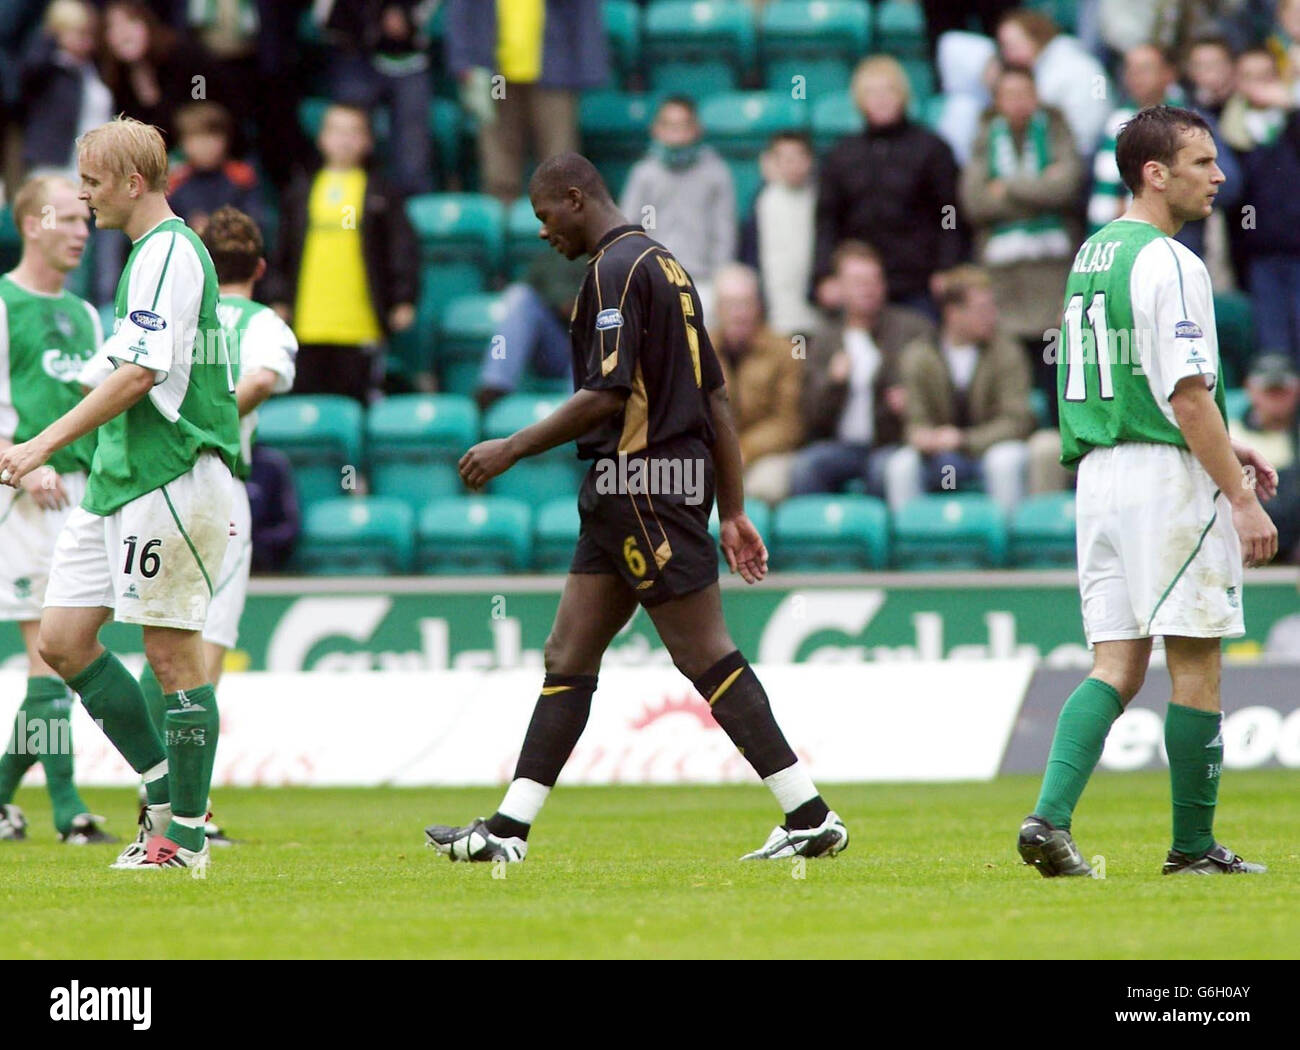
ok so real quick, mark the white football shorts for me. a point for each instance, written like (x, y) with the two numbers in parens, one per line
(28, 534)
(230, 586)
(1158, 554)
(152, 561)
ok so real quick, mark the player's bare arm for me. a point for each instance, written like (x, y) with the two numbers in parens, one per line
(252, 390)
(578, 415)
(741, 543)
(114, 396)
(1198, 418)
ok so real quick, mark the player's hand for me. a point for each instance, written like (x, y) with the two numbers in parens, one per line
(46, 488)
(744, 548)
(1257, 471)
(1256, 531)
(485, 461)
(17, 461)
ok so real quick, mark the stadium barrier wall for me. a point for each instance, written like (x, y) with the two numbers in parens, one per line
(441, 623)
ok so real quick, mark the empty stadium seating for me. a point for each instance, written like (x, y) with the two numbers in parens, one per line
(474, 534)
(321, 435)
(413, 443)
(829, 534)
(953, 530)
(351, 536)
(1042, 531)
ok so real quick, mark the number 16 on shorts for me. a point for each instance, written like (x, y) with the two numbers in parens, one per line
(150, 559)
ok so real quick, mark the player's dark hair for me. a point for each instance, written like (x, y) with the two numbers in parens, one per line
(792, 135)
(1006, 70)
(1210, 40)
(1041, 28)
(1167, 54)
(854, 249)
(1155, 133)
(557, 173)
(685, 101)
(235, 244)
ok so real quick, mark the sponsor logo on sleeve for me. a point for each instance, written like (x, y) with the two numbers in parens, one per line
(1188, 330)
(607, 319)
(147, 319)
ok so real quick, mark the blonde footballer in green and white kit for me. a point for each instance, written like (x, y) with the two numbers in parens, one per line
(46, 333)
(153, 527)
(1167, 506)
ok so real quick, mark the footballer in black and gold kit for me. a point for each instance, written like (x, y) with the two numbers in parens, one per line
(650, 412)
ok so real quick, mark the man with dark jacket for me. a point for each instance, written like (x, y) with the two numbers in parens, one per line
(345, 271)
(852, 401)
(894, 186)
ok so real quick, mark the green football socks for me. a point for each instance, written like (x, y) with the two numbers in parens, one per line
(113, 698)
(1081, 732)
(153, 696)
(191, 725)
(1194, 742)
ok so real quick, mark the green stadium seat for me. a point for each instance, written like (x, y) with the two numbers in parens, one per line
(833, 118)
(459, 377)
(740, 123)
(899, 29)
(820, 76)
(447, 125)
(474, 534)
(522, 243)
(698, 47)
(1065, 13)
(746, 181)
(321, 436)
(537, 478)
(1237, 402)
(357, 536)
(920, 74)
(1235, 320)
(11, 244)
(949, 531)
(555, 531)
(468, 326)
(829, 534)
(615, 125)
(1042, 531)
(459, 227)
(623, 29)
(413, 443)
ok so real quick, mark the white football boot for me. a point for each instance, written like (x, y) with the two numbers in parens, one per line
(830, 838)
(475, 843)
(153, 822)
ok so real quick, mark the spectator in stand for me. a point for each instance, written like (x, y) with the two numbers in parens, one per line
(1262, 123)
(226, 32)
(1211, 77)
(148, 66)
(543, 55)
(763, 381)
(1272, 425)
(967, 401)
(61, 91)
(682, 193)
(1019, 190)
(777, 238)
(1066, 76)
(963, 66)
(942, 16)
(853, 400)
(892, 185)
(345, 272)
(534, 331)
(381, 58)
(1150, 79)
(1284, 40)
(209, 178)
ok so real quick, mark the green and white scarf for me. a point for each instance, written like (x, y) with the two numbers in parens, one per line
(1023, 240)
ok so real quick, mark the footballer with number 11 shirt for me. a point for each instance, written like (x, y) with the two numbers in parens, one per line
(650, 395)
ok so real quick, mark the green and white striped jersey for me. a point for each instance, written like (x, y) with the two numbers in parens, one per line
(1139, 317)
(44, 341)
(166, 321)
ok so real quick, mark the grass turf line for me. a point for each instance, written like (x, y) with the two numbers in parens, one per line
(636, 872)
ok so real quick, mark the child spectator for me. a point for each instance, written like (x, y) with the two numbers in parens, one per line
(682, 193)
(208, 178)
(346, 263)
(62, 93)
(777, 238)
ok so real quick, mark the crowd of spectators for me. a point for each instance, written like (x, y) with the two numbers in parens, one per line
(885, 308)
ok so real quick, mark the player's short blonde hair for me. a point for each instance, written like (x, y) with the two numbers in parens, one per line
(68, 14)
(126, 146)
(882, 65)
(34, 194)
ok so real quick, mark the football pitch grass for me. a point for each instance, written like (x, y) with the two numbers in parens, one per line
(646, 872)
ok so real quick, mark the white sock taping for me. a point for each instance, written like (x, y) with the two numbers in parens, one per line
(190, 822)
(792, 787)
(524, 800)
(155, 772)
